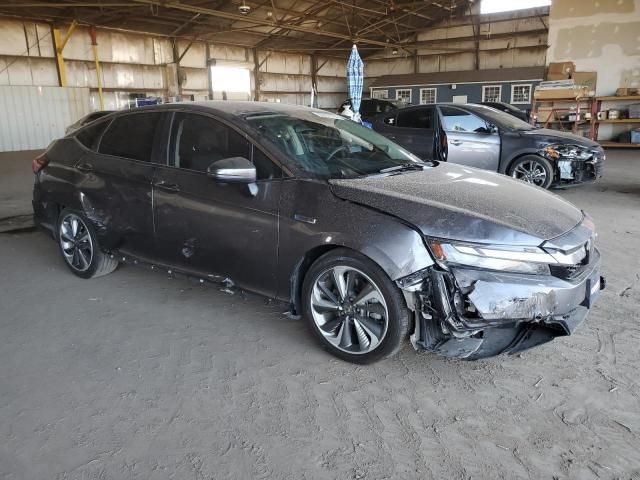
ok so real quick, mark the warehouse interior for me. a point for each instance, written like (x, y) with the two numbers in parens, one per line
(150, 374)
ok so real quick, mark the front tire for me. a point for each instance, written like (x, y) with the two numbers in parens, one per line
(79, 246)
(353, 308)
(533, 169)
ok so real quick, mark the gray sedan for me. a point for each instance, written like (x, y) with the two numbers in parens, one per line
(483, 137)
(367, 242)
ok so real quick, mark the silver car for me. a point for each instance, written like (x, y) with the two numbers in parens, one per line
(483, 137)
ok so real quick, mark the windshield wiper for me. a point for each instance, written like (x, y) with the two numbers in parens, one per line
(405, 167)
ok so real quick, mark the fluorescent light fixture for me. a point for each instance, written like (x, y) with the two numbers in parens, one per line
(497, 6)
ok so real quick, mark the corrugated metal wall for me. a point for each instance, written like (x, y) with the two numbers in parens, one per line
(34, 116)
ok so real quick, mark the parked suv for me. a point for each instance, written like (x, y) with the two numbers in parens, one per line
(483, 137)
(370, 244)
(370, 107)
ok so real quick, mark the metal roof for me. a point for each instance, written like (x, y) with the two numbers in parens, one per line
(284, 25)
(467, 76)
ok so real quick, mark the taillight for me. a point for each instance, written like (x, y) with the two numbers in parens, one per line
(39, 163)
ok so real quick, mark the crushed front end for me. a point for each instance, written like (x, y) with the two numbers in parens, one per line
(576, 164)
(469, 312)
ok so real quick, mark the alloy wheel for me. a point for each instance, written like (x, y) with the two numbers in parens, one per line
(531, 172)
(75, 242)
(349, 309)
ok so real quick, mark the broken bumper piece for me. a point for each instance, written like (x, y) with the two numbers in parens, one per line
(472, 314)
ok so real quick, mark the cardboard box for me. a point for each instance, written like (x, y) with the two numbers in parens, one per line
(557, 76)
(560, 93)
(561, 68)
(586, 79)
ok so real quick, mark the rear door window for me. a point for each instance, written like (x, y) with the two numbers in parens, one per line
(131, 136)
(90, 135)
(458, 120)
(416, 118)
(198, 141)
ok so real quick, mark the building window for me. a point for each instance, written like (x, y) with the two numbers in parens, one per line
(521, 93)
(380, 94)
(428, 95)
(491, 93)
(404, 95)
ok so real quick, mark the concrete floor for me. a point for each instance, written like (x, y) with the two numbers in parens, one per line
(136, 375)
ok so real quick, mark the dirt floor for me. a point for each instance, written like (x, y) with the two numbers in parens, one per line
(137, 375)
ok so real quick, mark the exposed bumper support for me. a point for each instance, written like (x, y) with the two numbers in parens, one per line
(474, 314)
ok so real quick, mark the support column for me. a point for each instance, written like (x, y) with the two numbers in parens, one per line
(209, 79)
(58, 47)
(256, 75)
(94, 46)
(314, 77)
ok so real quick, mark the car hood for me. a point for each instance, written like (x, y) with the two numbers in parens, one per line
(466, 204)
(549, 136)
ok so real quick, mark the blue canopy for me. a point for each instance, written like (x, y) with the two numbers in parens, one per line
(355, 79)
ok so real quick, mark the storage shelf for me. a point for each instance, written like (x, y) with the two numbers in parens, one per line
(620, 120)
(610, 98)
(579, 122)
(609, 144)
(551, 100)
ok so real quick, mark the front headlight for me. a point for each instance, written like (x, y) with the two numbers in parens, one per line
(530, 260)
(567, 152)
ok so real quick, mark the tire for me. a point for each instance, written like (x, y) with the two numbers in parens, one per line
(533, 169)
(79, 247)
(361, 318)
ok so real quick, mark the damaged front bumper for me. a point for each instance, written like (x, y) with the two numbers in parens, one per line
(471, 314)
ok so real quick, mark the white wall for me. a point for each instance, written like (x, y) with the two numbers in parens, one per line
(602, 37)
(34, 116)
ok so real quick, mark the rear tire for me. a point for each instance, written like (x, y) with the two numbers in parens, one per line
(533, 169)
(353, 308)
(79, 246)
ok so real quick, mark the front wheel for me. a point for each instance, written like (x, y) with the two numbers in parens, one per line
(533, 169)
(353, 308)
(79, 246)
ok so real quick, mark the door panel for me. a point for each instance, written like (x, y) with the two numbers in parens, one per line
(221, 230)
(413, 128)
(116, 190)
(470, 140)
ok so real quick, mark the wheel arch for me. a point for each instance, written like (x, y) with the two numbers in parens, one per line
(532, 153)
(301, 269)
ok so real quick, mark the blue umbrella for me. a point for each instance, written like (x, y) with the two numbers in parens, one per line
(355, 78)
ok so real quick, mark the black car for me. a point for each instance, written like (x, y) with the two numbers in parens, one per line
(370, 107)
(483, 137)
(362, 238)
(508, 108)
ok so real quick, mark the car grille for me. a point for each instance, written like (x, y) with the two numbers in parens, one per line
(570, 272)
(567, 272)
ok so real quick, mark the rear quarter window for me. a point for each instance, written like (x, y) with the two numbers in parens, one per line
(89, 136)
(131, 136)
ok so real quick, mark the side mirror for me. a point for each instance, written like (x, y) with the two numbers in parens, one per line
(233, 170)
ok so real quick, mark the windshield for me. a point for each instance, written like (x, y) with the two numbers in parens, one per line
(326, 146)
(501, 119)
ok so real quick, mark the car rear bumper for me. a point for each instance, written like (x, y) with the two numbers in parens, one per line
(467, 313)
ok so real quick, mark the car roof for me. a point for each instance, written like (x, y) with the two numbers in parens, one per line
(226, 108)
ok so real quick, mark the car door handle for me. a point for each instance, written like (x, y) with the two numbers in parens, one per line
(167, 187)
(456, 142)
(85, 167)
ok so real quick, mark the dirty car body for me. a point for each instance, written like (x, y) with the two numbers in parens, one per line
(479, 271)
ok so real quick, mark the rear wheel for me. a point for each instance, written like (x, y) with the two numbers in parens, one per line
(353, 308)
(79, 246)
(533, 169)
